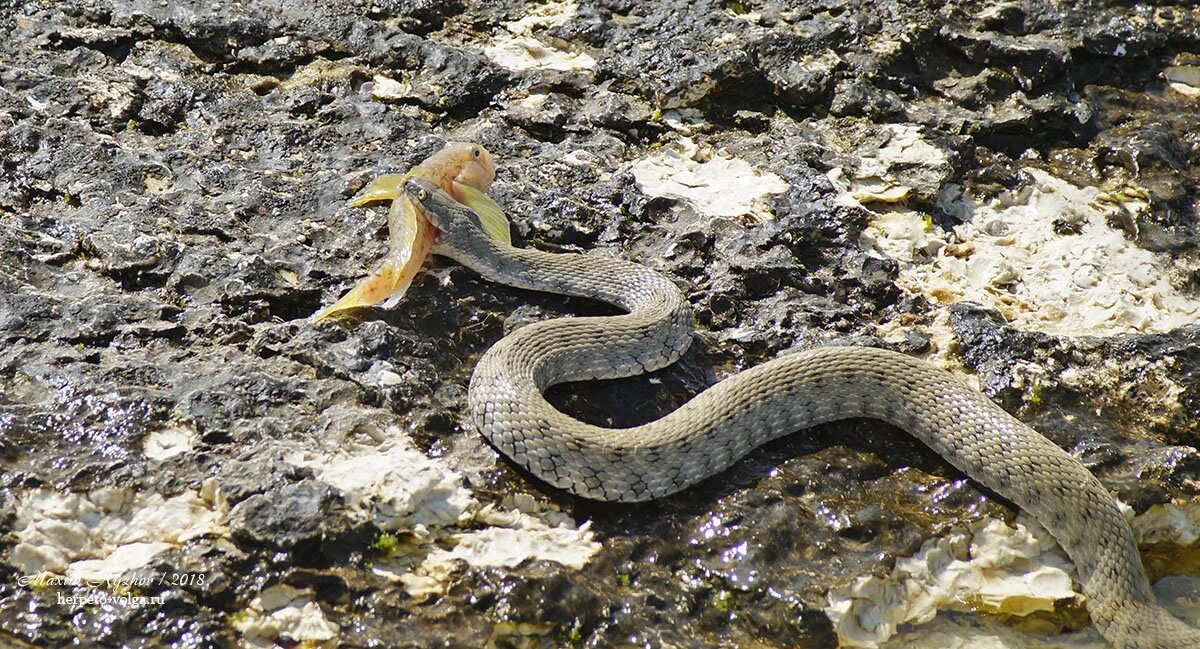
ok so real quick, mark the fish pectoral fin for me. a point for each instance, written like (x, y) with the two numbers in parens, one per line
(383, 188)
(491, 217)
(405, 224)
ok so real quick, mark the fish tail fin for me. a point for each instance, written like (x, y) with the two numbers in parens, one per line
(407, 253)
(388, 282)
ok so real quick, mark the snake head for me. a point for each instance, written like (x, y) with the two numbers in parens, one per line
(431, 198)
(445, 213)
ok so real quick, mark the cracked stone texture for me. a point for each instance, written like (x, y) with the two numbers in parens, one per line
(173, 182)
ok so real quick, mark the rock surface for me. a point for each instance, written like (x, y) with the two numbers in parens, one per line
(173, 187)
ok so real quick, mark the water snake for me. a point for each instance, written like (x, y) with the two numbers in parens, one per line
(728, 420)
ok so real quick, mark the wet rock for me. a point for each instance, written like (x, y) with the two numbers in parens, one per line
(615, 110)
(299, 514)
(1032, 62)
(1126, 34)
(543, 113)
(799, 80)
(133, 259)
(255, 475)
(454, 79)
(990, 347)
(856, 99)
(173, 179)
(419, 17)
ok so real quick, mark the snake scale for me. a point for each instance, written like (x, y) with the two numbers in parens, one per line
(795, 391)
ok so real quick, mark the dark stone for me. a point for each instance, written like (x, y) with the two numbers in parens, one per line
(857, 99)
(420, 17)
(300, 514)
(242, 478)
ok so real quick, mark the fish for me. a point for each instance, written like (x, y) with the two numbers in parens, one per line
(465, 171)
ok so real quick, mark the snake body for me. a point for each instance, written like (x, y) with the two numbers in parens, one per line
(728, 420)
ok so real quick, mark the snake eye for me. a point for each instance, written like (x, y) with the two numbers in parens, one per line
(422, 194)
(476, 152)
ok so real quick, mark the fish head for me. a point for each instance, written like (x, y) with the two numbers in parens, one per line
(475, 164)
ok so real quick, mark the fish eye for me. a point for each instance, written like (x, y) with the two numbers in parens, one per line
(476, 152)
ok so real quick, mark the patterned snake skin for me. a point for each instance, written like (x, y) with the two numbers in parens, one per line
(728, 420)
